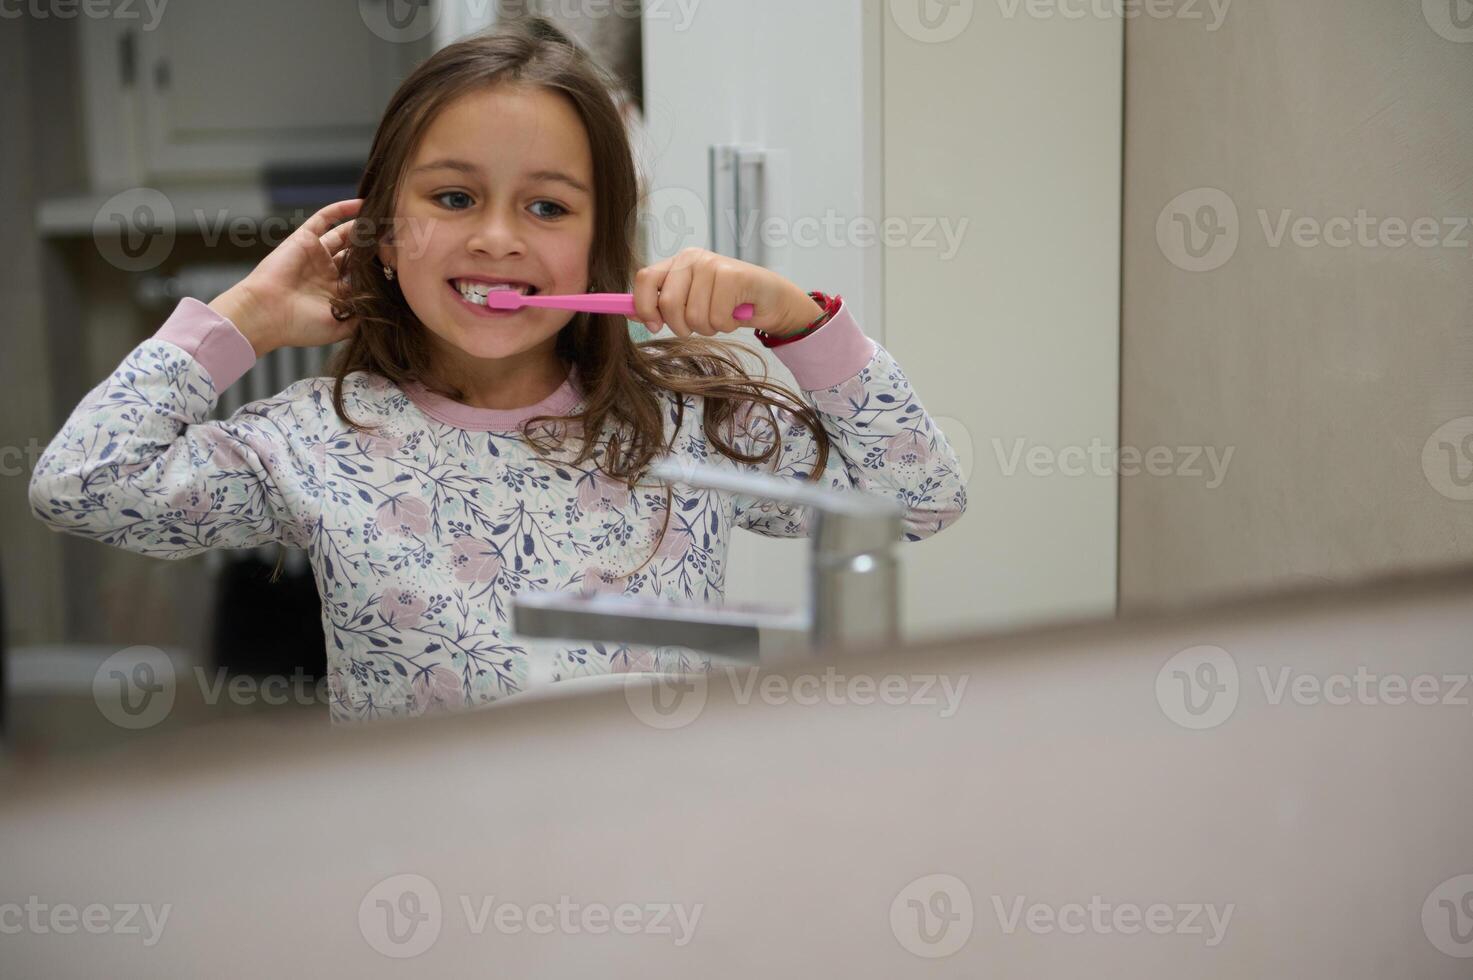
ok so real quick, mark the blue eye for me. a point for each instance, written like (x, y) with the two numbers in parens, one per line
(561, 210)
(447, 194)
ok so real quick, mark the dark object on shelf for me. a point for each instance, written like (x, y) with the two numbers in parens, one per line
(310, 185)
(264, 628)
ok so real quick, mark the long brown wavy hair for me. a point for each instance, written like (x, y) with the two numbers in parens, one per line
(620, 378)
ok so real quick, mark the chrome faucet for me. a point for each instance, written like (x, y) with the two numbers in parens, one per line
(854, 583)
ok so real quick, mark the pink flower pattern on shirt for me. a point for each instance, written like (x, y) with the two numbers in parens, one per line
(475, 560)
(419, 536)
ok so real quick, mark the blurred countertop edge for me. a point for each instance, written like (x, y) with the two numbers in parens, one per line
(183, 208)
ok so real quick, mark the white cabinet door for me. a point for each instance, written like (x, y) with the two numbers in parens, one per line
(801, 79)
(218, 90)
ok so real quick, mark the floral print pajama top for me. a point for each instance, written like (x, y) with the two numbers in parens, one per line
(420, 536)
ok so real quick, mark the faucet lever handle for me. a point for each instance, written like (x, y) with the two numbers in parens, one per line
(703, 476)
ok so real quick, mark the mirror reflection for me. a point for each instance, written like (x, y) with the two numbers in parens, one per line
(389, 365)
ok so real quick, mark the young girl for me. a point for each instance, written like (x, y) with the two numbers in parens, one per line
(457, 457)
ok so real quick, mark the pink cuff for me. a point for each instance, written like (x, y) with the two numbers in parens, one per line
(211, 339)
(832, 354)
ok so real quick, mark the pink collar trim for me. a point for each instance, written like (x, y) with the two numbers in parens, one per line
(462, 416)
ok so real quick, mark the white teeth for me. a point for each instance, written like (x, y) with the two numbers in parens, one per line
(476, 292)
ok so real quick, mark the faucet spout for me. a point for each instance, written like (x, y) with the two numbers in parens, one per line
(738, 632)
(854, 583)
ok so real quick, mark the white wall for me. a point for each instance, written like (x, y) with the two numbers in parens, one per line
(1012, 124)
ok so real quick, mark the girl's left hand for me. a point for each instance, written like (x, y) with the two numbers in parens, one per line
(695, 292)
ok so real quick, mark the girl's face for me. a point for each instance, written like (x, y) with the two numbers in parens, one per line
(501, 187)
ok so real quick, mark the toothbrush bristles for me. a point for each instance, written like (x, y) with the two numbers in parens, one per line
(504, 299)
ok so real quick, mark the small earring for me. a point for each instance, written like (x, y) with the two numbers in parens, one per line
(389, 272)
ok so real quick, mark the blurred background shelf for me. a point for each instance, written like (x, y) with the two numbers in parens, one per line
(85, 214)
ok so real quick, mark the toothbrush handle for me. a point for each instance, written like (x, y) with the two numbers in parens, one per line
(622, 304)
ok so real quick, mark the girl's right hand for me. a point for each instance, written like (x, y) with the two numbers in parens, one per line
(284, 302)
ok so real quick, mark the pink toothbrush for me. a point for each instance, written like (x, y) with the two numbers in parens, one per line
(619, 304)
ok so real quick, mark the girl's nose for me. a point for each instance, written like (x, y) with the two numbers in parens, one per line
(498, 233)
